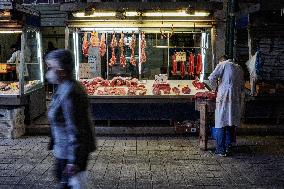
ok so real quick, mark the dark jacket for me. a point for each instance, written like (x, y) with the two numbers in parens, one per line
(71, 126)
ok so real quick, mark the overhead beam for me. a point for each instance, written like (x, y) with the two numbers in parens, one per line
(143, 6)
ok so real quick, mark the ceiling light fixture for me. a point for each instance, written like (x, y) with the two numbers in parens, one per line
(124, 14)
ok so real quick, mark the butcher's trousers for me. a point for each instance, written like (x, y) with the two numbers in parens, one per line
(224, 139)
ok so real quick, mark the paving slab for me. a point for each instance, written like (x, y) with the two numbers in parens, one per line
(150, 162)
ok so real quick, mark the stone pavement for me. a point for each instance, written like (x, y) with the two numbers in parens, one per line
(150, 162)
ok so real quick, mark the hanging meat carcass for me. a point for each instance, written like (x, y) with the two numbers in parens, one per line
(199, 64)
(85, 45)
(190, 65)
(103, 44)
(113, 44)
(143, 57)
(182, 69)
(132, 45)
(94, 40)
(122, 59)
(174, 64)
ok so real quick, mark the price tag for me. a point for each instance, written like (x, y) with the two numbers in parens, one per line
(161, 78)
(180, 56)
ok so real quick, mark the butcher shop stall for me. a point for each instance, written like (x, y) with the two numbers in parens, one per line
(142, 65)
(22, 94)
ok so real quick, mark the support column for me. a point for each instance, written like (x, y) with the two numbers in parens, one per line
(230, 30)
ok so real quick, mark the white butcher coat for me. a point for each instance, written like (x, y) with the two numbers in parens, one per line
(228, 101)
(15, 58)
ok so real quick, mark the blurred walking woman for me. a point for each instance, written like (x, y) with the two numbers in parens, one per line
(71, 126)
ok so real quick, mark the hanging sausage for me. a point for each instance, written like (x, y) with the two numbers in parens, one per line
(103, 44)
(143, 46)
(85, 45)
(199, 64)
(191, 65)
(122, 59)
(113, 44)
(132, 45)
(182, 69)
(174, 64)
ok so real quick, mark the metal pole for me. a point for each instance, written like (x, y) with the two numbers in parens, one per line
(230, 28)
(107, 72)
(139, 57)
(168, 69)
(22, 62)
(213, 47)
(67, 37)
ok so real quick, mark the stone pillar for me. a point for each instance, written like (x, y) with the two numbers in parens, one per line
(12, 122)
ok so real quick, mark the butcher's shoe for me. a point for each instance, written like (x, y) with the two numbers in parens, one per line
(219, 154)
(222, 155)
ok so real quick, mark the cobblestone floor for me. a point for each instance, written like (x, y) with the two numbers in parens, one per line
(150, 162)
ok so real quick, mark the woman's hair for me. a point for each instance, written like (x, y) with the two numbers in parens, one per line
(223, 58)
(64, 58)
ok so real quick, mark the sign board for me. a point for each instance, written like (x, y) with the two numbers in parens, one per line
(161, 78)
(6, 4)
(94, 58)
(180, 56)
(86, 70)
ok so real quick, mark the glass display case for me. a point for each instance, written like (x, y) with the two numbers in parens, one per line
(9, 80)
(34, 77)
(141, 61)
(142, 64)
(21, 66)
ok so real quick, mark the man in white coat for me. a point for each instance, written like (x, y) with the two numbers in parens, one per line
(15, 59)
(227, 79)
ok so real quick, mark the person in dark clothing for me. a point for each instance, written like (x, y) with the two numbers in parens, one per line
(71, 126)
(50, 47)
